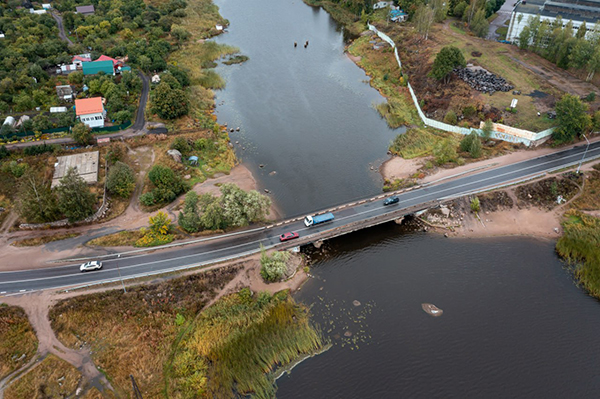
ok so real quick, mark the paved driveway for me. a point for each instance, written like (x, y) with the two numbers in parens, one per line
(503, 15)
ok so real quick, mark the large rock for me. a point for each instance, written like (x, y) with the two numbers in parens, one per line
(175, 154)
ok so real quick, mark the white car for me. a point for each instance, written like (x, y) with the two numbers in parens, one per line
(92, 265)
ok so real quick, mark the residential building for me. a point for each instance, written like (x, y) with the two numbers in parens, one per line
(577, 11)
(46, 6)
(85, 10)
(94, 67)
(81, 58)
(107, 58)
(397, 15)
(64, 92)
(382, 4)
(91, 111)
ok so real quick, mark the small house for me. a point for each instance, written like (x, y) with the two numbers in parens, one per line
(398, 16)
(46, 6)
(81, 58)
(107, 58)
(91, 111)
(94, 67)
(85, 10)
(64, 92)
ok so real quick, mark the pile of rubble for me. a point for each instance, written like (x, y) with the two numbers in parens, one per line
(482, 80)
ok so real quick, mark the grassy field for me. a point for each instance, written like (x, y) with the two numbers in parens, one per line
(18, 343)
(417, 142)
(234, 347)
(34, 242)
(122, 238)
(52, 378)
(386, 77)
(590, 197)
(134, 332)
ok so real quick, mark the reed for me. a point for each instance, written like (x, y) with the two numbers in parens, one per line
(416, 142)
(237, 344)
(580, 246)
(18, 342)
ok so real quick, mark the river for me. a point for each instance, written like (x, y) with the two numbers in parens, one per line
(304, 113)
(514, 323)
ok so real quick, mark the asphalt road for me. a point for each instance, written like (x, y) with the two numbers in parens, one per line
(233, 245)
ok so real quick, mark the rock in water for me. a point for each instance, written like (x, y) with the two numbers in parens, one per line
(356, 303)
(432, 309)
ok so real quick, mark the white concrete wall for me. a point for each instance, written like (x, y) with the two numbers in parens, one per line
(93, 120)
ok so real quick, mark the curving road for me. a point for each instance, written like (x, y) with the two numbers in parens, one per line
(234, 245)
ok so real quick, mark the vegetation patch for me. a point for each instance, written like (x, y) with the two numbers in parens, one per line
(52, 378)
(33, 242)
(494, 201)
(235, 346)
(122, 238)
(580, 246)
(18, 343)
(417, 142)
(387, 78)
(134, 332)
(590, 197)
(545, 193)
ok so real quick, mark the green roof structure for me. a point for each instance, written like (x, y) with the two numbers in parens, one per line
(92, 68)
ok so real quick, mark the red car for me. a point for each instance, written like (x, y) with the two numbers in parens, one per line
(288, 236)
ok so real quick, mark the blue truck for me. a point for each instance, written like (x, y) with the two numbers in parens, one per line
(318, 219)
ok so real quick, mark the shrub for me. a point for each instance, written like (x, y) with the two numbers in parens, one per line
(147, 199)
(81, 133)
(167, 184)
(471, 144)
(274, 267)
(451, 118)
(445, 152)
(121, 180)
(160, 223)
(475, 204)
(4, 153)
(181, 144)
(75, 200)
(486, 131)
(15, 169)
(115, 153)
(469, 111)
(39, 149)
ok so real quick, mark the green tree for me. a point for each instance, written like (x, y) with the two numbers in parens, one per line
(120, 180)
(459, 9)
(440, 9)
(487, 129)
(445, 61)
(471, 144)
(160, 223)
(480, 25)
(188, 219)
(75, 200)
(169, 103)
(35, 201)
(274, 267)
(445, 151)
(81, 133)
(423, 20)
(572, 119)
(167, 184)
(241, 208)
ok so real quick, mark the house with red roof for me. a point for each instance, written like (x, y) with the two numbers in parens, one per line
(91, 111)
(79, 59)
(107, 58)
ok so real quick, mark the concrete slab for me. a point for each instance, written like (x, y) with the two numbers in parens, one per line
(85, 163)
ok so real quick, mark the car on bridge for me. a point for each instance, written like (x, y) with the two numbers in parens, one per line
(391, 200)
(92, 265)
(288, 236)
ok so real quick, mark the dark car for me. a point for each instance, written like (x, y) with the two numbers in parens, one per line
(288, 236)
(391, 200)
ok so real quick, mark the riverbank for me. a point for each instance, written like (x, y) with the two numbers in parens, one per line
(145, 334)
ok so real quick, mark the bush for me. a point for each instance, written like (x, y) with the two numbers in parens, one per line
(181, 144)
(120, 180)
(115, 153)
(445, 152)
(475, 204)
(168, 184)
(39, 149)
(274, 267)
(488, 128)
(451, 118)
(15, 169)
(75, 200)
(147, 199)
(469, 111)
(81, 133)
(4, 153)
(471, 144)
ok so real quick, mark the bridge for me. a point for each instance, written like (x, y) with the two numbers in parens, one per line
(348, 218)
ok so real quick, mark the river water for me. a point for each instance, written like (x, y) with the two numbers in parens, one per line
(304, 113)
(514, 323)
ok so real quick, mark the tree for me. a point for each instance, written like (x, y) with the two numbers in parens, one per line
(160, 223)
(120, 180)
(581, 31)
(423, 20)
(167, 184)
(440, 9)
(475, 204)
(572, 119)
(274, 267)
(479, 24)
(188, 219)
(445, 151)
(445, 61)
(488, 128)
(241, 208)
(169, 103)
(459, 9)
(75, 200)
(81, 133)
(471, 144)
(35, 201)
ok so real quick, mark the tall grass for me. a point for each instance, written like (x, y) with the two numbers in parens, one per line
(240, 340)
(416, 142)
(580, 245)
(18, 342)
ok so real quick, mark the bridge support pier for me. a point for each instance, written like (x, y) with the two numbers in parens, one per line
(318, 244)
(399, 220)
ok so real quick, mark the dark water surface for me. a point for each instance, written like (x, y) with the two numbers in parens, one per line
(305, 113)
(514, 323)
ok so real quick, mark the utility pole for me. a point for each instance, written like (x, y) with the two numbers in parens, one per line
(585, 152)
(119, 270)
(136, 391)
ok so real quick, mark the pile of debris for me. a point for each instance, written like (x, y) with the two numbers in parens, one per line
(482, 80)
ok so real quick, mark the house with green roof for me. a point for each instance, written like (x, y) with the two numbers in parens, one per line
(94, 67)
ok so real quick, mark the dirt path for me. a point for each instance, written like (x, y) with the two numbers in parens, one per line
(37, 306)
